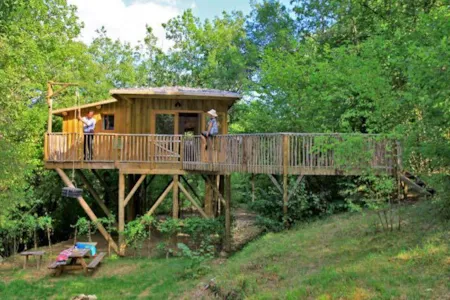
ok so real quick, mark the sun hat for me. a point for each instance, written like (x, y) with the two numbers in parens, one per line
(212, 112)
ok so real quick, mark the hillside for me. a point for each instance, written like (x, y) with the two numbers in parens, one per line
(341, 257)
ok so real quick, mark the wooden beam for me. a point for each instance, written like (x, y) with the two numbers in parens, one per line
(50, 107)
(214, 188)
(89, 211)
(104, 184)
(275, 182)
(175, 198)
(121, 213)
(134, 189)
(285, 174)
(253, 187)
(285, 195)
(160, 199)
(208, 201)
(228, 238)
(147, 183)
(94, 193)
(190, 187)
(186, 193)
(297, 182)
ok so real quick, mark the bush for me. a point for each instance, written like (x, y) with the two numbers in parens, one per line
(305, 203)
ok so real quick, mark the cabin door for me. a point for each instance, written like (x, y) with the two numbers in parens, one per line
(189, 124)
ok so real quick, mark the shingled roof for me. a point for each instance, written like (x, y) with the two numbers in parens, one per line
(175, 91)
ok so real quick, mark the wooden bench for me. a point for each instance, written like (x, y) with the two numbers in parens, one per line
(94, 263)
(53, 265)
(27, 254)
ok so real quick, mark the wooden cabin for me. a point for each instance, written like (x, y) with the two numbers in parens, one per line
(166, 110)
(156, 131)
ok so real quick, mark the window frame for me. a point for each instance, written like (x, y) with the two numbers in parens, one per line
(103, 122)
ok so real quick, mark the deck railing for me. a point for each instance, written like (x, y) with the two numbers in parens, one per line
(274, 153)
(69, 147)
(292, 153)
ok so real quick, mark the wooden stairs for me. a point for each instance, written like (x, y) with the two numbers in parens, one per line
(414, 187)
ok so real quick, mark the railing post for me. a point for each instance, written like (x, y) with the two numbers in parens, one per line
(182, 139)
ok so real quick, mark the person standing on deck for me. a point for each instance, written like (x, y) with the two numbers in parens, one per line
(88, 130)
(213, 127)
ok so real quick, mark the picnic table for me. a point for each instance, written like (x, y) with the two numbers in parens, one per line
(27, 254)
(77, 261)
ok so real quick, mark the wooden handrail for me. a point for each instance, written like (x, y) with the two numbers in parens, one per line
(282, 153)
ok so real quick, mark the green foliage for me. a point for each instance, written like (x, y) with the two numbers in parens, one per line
(205, 252)
(135, 233)
(200, 229)
(304, 204)
(84, 227)
(169, 227)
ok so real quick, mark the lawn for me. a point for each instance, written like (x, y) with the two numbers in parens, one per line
(341, 257)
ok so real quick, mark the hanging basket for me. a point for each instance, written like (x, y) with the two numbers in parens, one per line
(71, 192)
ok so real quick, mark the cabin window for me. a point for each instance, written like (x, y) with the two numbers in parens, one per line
(165, 124)
(108, 122)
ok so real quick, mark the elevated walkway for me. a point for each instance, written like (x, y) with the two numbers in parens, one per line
(265, 153)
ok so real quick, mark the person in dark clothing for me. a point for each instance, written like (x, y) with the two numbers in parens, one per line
(88, 130)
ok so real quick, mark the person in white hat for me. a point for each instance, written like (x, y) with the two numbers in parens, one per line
(213, 127)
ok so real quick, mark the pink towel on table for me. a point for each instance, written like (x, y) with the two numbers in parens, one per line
(64, 256)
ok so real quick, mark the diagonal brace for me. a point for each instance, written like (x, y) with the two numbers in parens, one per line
(134, 189)
(160, 199)
(89, 211)
(275, 182)
(297, 182)
(186, 193)
(94, 194)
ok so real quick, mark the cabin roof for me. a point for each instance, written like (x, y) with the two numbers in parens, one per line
(174, 92)
(62, 110)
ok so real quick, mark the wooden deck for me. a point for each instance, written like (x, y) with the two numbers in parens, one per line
(276, 153)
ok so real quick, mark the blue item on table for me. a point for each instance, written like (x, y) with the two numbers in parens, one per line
(87, 246)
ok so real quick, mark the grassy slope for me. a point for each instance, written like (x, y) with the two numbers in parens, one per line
(340, 257)
(343, 257)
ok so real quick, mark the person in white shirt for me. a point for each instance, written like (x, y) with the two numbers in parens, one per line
(88, 130)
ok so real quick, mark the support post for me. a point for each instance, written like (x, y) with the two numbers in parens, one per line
(175, 198)
(50, 107)
(285, 175)
(227, 213)
(51, 93)
(121, 210)
(214, 188)
(89, 211)
(253, 187)
(209, 197)
(285, 196)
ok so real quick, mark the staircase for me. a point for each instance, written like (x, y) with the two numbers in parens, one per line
(414, 187)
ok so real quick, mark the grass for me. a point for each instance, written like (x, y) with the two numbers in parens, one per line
(341, 257)
(344, 257)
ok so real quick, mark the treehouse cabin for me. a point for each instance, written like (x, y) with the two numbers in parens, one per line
(143, 132)
(138, 130)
